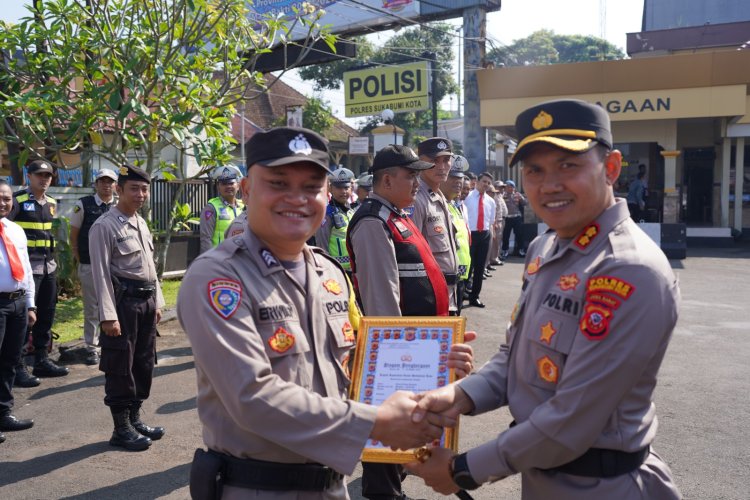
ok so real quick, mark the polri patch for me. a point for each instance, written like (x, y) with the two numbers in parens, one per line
(281, 340)
(332, 286)
(586, 236)
(224, 295)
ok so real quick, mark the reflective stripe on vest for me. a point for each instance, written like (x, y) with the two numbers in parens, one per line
(222, 224)
(39, 226)
(422, 287)
(337, 240)
(463, 248)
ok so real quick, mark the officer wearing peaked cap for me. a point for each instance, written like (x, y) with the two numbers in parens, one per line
(431, 214)
(585, 340)
(218, 214)
(331, 236)
(271, 322)
(130, 303)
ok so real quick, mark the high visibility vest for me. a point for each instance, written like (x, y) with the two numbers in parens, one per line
(225, 214)
(337, 241)
(36, 221)
(422, 287)
(463, 250)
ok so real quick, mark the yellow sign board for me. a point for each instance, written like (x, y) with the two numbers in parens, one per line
(401, 88)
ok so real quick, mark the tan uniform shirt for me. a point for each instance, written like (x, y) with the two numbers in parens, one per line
(377, 268)
(237, 227)
(584, 346)
(120, 246)
(270, 357)
(432, 218)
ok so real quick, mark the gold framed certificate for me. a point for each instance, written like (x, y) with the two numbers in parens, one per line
(403, 353)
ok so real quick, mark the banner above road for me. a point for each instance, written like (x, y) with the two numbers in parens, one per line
(401, 88)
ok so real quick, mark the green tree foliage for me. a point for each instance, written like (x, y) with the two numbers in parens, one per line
(317, 115)
(407, 45)
(545, 47)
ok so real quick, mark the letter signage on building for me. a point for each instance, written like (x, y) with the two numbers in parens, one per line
(401, 88)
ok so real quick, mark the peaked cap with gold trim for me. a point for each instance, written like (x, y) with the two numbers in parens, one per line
(569, 124)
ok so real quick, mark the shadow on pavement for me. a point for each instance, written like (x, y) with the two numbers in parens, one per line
(177, 406)
(175, 352)
(157, 483)
(162, 370)
(14, 472)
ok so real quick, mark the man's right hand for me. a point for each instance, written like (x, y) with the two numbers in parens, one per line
(395, 426)
(449, 401)
(111, 328)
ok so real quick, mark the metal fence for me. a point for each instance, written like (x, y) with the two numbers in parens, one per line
(195, 193)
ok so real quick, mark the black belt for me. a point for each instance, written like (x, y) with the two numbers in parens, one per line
(512, 216)
(600, 462)
(274, 476)
(137, 288)
(12, 295)
(451, 278)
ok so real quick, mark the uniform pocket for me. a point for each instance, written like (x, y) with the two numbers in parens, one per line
(130, 252)
(549, 348)
(437, 237)
(115, 357)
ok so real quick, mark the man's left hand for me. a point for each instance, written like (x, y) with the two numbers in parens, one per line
(158, 316)
(32, 318)
(436, 471)
(461, 357)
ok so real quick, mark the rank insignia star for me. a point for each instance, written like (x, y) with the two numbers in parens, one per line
(548, 331)
(332, 286)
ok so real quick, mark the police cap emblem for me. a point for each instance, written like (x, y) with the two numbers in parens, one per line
(299, 145)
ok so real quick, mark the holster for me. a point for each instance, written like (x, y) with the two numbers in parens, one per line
(206, 475)
(118, 289)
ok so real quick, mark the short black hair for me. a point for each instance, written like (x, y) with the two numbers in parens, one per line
(3, 182)
(641, 175)
(377, 176)
(471, 175)
(487, 174)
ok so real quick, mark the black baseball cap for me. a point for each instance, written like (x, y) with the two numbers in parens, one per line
(435, 146)
(398, 156)
(40, 166)
(132, 173)
(284, 145)
(569, 124)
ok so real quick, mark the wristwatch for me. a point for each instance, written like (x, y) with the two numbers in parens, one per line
(31, 309)
(461, 475)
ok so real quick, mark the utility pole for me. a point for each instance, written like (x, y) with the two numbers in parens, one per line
(475, 144)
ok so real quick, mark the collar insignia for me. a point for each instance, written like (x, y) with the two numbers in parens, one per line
(299, 145)
(543, 120)
(122, 219)
(268, 258)
(587, 235)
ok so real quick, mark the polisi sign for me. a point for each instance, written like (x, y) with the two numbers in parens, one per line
(401, 88)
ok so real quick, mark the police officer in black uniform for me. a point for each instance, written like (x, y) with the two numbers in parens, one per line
(33, 210)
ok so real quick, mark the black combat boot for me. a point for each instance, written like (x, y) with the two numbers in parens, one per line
(154, 433)
(45, 367)
(124, 434)
(23, 377)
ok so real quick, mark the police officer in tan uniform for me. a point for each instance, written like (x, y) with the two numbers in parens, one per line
(431, 214)
(130, 303)
(271, 322)
(218, 214)
(586, 338)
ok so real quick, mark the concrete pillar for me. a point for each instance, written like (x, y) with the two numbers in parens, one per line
(671, 206)
(739, 177)
(475, 145)
(726, 153)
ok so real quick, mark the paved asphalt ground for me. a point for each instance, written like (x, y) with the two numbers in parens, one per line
(702, 403)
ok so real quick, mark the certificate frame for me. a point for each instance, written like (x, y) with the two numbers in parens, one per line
(387, 338)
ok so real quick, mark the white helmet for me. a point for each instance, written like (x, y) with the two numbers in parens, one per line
(227, 173)
(342, 176)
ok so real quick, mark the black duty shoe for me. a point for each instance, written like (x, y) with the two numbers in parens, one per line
(476, 303)
(9, 423)
(46, 368)
(497, 262)
(487, 275)
(92, 358)
(124, 435)
(25, 379)
(2, 437)
(490, 268)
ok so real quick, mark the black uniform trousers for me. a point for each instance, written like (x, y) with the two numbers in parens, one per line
(45, 298)
(381, 481)
(13, 325)
(128, 360)
(480, 247)
(514, 224)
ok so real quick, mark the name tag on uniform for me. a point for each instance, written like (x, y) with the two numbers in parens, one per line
(29, 206)
(223, 215)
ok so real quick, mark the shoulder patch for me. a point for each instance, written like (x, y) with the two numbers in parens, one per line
(224, 294)
(595, 322)
(610, 284)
